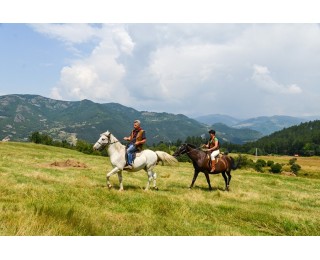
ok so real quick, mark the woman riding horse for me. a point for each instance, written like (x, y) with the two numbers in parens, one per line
(213, 147)
(201, 163)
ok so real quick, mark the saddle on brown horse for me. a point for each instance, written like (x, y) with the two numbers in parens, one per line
(218, 158)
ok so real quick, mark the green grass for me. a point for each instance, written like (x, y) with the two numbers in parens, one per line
(38, 199)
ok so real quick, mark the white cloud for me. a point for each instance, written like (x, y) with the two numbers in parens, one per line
(182, 71)
(262, 78)
(165, 67)
(55, 94)
(98, 76)
(123, 40)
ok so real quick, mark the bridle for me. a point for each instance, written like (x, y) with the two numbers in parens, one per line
(108, 143)
(185, 149)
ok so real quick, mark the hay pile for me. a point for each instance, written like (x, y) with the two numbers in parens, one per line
(69, 163)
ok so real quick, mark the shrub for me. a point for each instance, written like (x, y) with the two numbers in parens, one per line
(292, 161)
(295, 168)
(184, 158)
(246, 162)
(261, 162)
(258, 167)
(270, 163)
(276, 168)
(84, 147)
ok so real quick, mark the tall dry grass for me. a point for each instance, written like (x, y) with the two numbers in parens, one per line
(37, 198)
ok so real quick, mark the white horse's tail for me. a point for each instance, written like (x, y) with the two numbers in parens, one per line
(166, 158)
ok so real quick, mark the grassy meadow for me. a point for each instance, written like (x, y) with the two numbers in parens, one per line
(50, 191)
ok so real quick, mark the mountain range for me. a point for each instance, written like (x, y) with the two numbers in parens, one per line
(20, 115)
(266, 125)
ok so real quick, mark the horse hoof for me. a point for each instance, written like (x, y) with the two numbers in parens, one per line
(109, 186)
(156, 188)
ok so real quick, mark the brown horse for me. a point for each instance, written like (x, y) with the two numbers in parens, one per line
(201, 163)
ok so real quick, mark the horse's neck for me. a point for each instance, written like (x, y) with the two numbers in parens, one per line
(194, 154)
(115, 147)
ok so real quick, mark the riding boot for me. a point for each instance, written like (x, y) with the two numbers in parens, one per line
(129, 162)
(213, 165)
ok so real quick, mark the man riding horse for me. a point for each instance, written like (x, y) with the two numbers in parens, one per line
(213, 146)
(137, 138)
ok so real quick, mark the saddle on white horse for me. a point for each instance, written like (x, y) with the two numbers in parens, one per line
(135, 155)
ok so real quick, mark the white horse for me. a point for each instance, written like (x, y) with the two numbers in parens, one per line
(146, 160)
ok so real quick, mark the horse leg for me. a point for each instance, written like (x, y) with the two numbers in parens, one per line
(208, 180)
(113, 171)
(150, 178)
(120, 180)
(154, 180)
(195, 176)
(225, 180)
(229, 178)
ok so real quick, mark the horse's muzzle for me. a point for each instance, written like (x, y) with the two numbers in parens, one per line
(96, 147)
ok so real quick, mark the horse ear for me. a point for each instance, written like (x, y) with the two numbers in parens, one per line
(107, 134)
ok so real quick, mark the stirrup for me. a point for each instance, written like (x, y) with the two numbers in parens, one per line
(128, 167)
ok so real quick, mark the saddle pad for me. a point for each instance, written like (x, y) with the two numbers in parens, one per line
(217, 157)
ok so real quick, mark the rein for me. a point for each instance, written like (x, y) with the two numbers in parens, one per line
(113, 142)
(192, 149)
(197, 148)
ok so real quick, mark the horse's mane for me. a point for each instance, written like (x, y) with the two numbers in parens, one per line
(195, 147)
(191, 145)
(118, 145)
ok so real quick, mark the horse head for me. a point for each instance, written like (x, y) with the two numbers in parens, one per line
(181, 150)
(103, 141)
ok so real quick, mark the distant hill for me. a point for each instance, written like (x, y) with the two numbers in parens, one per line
(236, 136)
(302, 139)
(264, 124)
(218, 118)
(20, 115)
(267, 125)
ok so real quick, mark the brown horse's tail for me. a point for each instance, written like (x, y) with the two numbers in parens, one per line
(234, 165)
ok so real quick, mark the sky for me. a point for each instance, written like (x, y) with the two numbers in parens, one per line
(242, 70)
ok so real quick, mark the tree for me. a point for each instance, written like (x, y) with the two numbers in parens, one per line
(84, 147)
(38, 138)
(195, 140)
(35, 137)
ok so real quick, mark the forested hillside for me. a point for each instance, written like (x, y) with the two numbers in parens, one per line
(20, 115)
(303, 139)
